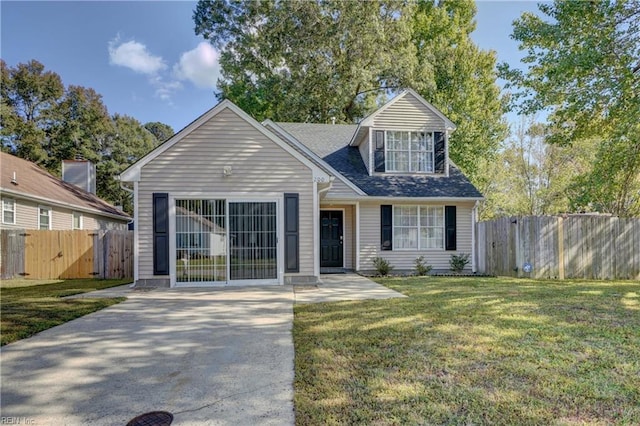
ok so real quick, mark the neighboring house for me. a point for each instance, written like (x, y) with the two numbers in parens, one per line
(32, 198)
(288, 201)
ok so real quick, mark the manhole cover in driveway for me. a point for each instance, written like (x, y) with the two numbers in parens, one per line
(154, 418)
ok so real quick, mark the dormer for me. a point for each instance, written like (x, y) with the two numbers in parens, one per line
(406, 136)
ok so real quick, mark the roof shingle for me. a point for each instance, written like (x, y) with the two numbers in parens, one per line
(331, 143)
(32, 181)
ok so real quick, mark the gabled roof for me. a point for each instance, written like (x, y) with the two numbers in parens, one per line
(331, 143)
(37, 184)
(133, 172)
(369, 119)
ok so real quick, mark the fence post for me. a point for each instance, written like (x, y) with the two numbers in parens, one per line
(561, 248)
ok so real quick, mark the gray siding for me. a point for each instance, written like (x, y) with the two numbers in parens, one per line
(404, 260)
(195, 163)
(339, 190)
(364, 152)
(61, 218)
(408, 113)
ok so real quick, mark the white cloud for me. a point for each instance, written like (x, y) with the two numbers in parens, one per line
(135, 56)
(200, 66)
(164, 89)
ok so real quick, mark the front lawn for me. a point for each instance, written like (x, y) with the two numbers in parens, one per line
(472, 351)
(28, 307)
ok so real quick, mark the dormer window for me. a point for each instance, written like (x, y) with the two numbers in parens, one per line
(409, 152)
(397, 151)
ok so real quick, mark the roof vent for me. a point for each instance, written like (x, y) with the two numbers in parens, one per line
(14, 179)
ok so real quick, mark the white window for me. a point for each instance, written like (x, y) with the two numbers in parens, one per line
(77, 220)
(9, 211)
(418, 227)
(44, 218)
(409, 151)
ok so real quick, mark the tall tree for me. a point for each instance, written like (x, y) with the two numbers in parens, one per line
(44, 122)
(583, 66)
(160, 131)
(29, 96)
(312, 61)
(128, 142)
(532, 177)
(460, 79)
(308, 60)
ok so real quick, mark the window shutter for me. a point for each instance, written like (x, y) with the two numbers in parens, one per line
(378, 155)
(160, 234)
(439, 152)
(450, 227)
(291, 233)
(386, 227)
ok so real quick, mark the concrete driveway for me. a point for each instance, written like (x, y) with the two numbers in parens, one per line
(222, 357)
(210, 357)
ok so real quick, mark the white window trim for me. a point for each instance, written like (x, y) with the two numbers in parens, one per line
(13, 203)
(418, 227)
(432, 151)
(73, 221)
(48, 209)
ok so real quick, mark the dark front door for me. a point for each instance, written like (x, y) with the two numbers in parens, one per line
(331, 238)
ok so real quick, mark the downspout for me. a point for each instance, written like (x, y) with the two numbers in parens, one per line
(130, 191)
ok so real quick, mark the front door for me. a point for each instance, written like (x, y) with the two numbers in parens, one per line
(331, 238)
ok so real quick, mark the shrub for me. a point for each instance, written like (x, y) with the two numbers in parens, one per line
(383, 267)
(459, 261)
(421, 267)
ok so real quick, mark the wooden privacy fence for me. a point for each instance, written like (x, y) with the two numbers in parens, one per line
(578, 246)
(66, 254)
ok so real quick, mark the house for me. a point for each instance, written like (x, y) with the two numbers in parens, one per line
(289, 201)
(32, 198)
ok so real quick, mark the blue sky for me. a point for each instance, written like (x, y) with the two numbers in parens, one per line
(144, 58)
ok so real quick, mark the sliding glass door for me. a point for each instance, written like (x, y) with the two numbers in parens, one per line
(220, 241)
(253, 241)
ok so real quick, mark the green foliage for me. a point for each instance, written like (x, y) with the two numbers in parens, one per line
(383, 267)
(584, 67)
(160, 131)
(421, 267)
(457, 262)
(533, 177)
(310, 61)
(44, 122)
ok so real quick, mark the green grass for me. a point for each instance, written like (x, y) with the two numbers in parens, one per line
(28, 307)
(477, 351)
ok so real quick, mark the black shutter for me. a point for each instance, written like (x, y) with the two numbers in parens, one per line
(450, 227)
(439, 151)
(291, 233)
(160, 234)
(386, 227)
(378, 154)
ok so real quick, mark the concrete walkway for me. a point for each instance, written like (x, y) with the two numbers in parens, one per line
(213, 356)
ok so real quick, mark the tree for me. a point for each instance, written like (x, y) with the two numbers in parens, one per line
(44, 122)
(312, 61)
(29, 95)
(128, 142)
(459, 79)
(583, 66)
(160, 131)
(532, 177)
(308, 60)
